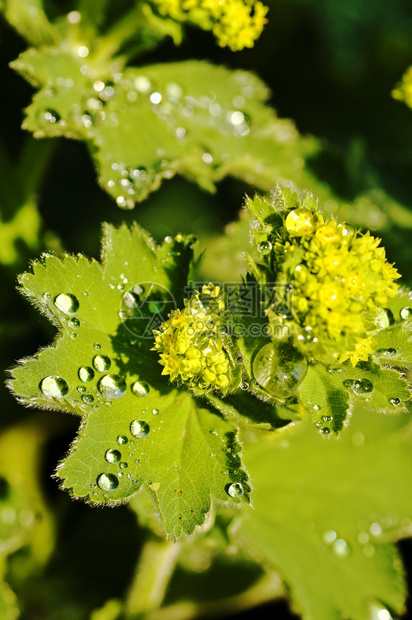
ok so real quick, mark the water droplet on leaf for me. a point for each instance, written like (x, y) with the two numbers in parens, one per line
(279, 369)
(107, 482)
(88, 399)
(329, 536)
(300, 222)
(101, 362)
(48, 117)
(54, 386)
(235, 489)
(341, 548)
(265, 247)
(333, 369)
(383, 318)
(74, 322)
(405, 313)
(86, 374)
(68, 304)
(362, 386)
(140, 389)
(390, 352)
(395, 401)
(375, 529)
(122, 440)
(112, 386)
(139, 428)
(112, 456)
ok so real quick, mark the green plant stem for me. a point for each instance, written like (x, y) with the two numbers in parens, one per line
(268, 588)
(8, 186)
(18, 183)
(34, 163)
(125, 28)
(155, 568)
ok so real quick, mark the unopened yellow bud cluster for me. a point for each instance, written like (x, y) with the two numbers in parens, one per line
(191, 342)
(235, 23)
(340, 280)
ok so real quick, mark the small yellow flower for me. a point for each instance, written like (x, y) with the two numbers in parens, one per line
(328, 234)
(403, 90)
(363, 349)
(192, 343)
(235, 23)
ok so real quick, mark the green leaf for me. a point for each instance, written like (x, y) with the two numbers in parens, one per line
(25, 226)
(25, 518)
(146, 124)
(401, 307)
(59, 108)
(136, 430)
(328, 403)
(30, 20)
(111, 610)
(185, 456)
(9, 609)
(393, 346)
(24, 514)
(224, 259)
(378, 389)
(329, 509)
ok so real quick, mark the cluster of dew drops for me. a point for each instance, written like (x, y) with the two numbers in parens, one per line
(169, 102)
(371, 532)
(110, 386)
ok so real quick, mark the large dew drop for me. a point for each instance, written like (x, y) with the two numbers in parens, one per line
(68, 304)
(112, 386)
(54, 386)
(107, 482)
(113, 456)
(139, 428)
(235, 489)
(279, 369)
(140, 389)
(101, 363)
(362, 386)
(341, 548)
(265, 247)
(405, 313)
(86, 374)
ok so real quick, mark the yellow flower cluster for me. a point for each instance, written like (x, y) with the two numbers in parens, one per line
(403, 91)
(235, 23)
(191, 342)
(340, 280)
